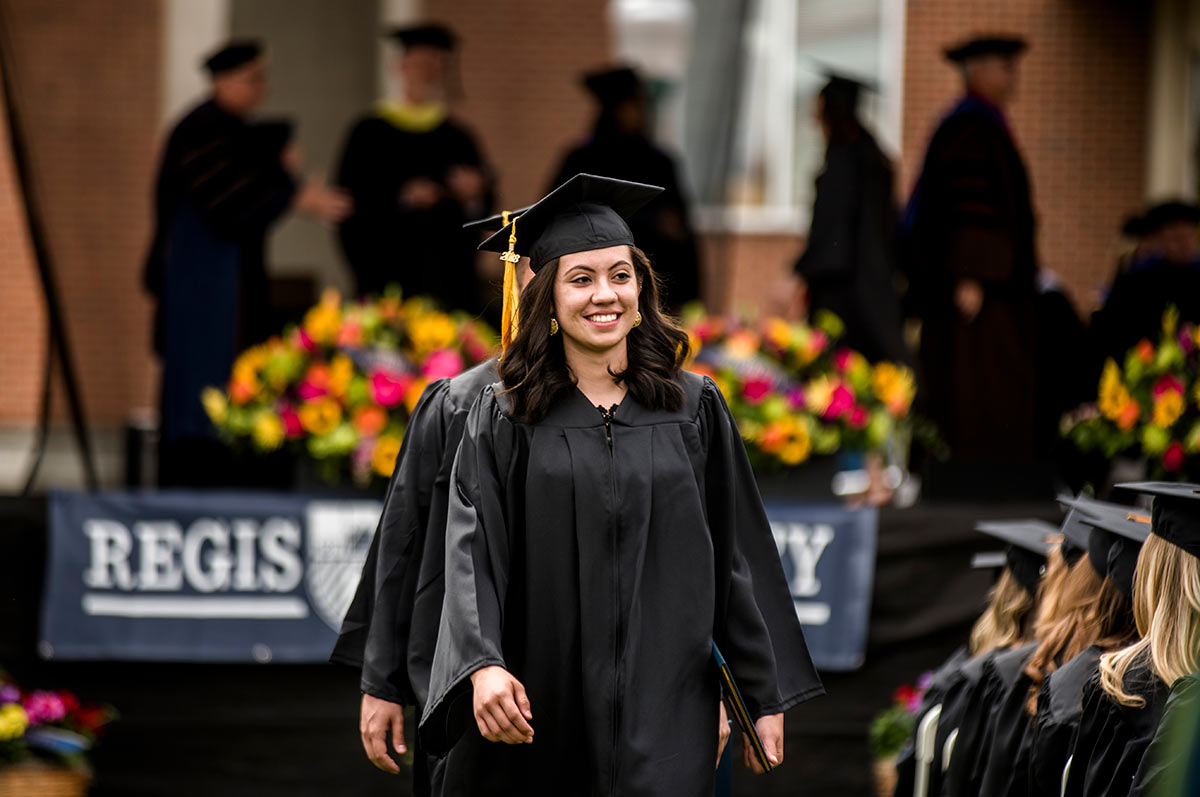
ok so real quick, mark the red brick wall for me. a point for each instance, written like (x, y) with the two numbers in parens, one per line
(88, 76)
(1079, 117)
(520, 63)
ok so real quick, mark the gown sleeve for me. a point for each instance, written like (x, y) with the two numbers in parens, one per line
(756, 625)
(1169, 766)
(477, 570)
(374, 634)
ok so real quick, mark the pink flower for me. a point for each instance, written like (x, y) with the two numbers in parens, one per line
(1187, 338)
(840, 402)
(442, 364)
(291, 421)
(303, 341)
(44, 707)
(859, 417)
(1166, 383)
(841, 360)
(795, 397)
(1174, 456)
(756, 389)
(387, 389)
(819, 341)
(9, 694)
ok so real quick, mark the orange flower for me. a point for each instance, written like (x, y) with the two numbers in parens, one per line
(243, 391)
(341, 371)
(320, 416)
(383, 456)
(1129, 415)
(1145, 351)
(370, 420)
(413, 394)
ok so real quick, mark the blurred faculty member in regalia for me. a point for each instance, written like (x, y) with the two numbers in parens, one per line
(416, 176)
(222, 183)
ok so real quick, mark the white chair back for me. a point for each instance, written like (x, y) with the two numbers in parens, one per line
(949, 749)
(1066, 774)
(924, 748)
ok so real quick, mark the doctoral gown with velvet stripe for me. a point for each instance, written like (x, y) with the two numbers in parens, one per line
(598, 563)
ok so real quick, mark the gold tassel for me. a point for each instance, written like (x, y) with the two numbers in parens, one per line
(511, 293)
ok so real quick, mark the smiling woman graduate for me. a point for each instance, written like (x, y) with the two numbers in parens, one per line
(604, 531)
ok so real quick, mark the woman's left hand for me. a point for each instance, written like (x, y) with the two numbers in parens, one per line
(770, 730)
(723, 731)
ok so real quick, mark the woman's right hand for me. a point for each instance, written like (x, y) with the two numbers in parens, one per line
(501, 706)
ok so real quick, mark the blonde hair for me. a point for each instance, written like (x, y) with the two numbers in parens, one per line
(1003, 621)
(1166, 607)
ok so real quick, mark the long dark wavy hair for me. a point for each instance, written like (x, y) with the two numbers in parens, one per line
(534, 367)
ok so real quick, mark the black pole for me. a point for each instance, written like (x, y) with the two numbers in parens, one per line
(58, 344)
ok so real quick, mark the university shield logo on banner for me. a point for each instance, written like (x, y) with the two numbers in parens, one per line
(339, 534)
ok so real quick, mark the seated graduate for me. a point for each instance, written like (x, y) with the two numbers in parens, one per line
(390, 629)
(994, 718)
(604, 531)
(1006, 621)
(1122, 707)
(1102, 623)
(1171, 766)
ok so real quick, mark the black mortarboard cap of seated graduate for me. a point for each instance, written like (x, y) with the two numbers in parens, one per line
(584, 213)
(1115, 543)
(986, 45)
(614, 85)
(1095, 508)
(1175, 513)
(233, 54)
(1028, 545)
(430, 34)
(1075, 535)
(493, 223)
(1173, 212)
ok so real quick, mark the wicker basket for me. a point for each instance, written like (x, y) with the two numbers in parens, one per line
(27, 780)
(885, 776)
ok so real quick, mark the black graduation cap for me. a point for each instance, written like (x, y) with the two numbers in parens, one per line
(1135, 226)
(586, 212)
(232, 55)
(1175, 514)
(1173, 212)
(1028, 545)
(1075, 536)
(986, 45)
(493, 223)
(430, 34)
(1115, 544)
(613, 86)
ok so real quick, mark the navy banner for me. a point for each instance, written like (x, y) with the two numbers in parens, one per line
(828, 555)
(236, 576)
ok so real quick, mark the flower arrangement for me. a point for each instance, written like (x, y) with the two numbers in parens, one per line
(341, 385)
(794, 391)
(1148, 404)
(51, 726)
(894, 726)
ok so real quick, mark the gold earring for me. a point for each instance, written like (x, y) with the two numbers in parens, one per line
(553, 326)
(637, 319)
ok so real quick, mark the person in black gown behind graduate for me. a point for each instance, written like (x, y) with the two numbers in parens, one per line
(416, 176)
(222, 183)
(604, 532)
(620, 146)
(1168, 273)
(850, 259)
(969, 254)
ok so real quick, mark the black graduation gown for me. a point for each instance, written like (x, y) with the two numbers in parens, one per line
(850, 260)
(390, 629)
(1112, 739)
(971, 217)
(425, 251)
(989, 733)
(959, 694)
(935, 693)
(1059, 708)
(1135, 307)
(662, 228)
(1171, 766)
(600, 576)
(220, 186)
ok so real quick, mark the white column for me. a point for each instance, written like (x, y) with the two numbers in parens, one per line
(191, 30)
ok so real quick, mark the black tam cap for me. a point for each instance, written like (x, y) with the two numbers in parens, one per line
(493, 223)
(1029, 542)
(986, 45)
(584, 213)
(1175, 514)
(430, 34)
(1075, 536)
(1173, 212)
(1114, 545)
(1135, 226)
(233, 55)
(613, 86)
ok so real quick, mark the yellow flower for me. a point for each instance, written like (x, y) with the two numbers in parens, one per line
(268, 430)
(1113, 395)
(323, 321)
(13, 722)
(341, 371)
(383, 457)
(413, 394)
(431, 331)
(817, 394)
(215, 404)
(1168, 406)
(320, 416)
(778, 332)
